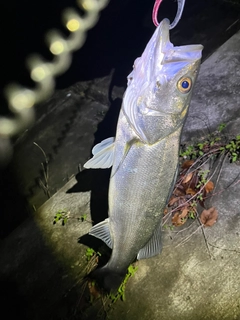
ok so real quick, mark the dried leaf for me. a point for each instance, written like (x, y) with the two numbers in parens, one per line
(209, 186)
(93, 290)
(188, 177)
(190, 191)
(165, 211)
(194, 182)
(179, 191)
(184, 212)
(209, 217)
(187, 164)
(177, 220)
(172, 201)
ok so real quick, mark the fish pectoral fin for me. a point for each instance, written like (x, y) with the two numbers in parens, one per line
(102, 232)
(154, 245)
(102, 155)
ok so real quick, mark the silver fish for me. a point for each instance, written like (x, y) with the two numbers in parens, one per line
(144, 153)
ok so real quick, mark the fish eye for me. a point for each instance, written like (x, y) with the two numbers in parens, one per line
(158, 84)
(184, 84)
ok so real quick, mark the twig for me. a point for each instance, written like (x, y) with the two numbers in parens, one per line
(220, 171)
(225, 249)
(195, 195)
(45, 185)
(188, 237)
(79, 300)
(204, 236)
(184, 229)
(103, 307)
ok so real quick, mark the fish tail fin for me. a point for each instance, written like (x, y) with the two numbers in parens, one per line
(107, 279)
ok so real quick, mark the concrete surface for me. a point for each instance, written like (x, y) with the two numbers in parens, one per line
(41, 264)
(216, 94)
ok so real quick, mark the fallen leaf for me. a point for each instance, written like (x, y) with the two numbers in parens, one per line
(177, 220)
(184, 212)
(179, 191)
(209, 186)
(194, 181)
(165, 211)
(93, 290)
(209, 217)
(188, 177)
(187, 164)
(190, 191)
(172, 201)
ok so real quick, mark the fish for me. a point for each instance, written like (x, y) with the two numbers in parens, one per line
(144, 154)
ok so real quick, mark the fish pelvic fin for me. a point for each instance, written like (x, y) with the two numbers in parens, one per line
(153, 246)
(107, 279)
(102, 232)
(103, 153)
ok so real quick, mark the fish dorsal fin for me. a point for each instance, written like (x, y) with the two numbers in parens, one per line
(102, 155)
(102, 232)
(154, 245)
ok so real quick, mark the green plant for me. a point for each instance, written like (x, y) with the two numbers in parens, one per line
(167, 226)
(189, 152)
(203, 178)
(120, 295)
(90, 253)
(191, 214)
(213, 145)
(232, 148)
(83, 217)
(61, 215)
(221, 127)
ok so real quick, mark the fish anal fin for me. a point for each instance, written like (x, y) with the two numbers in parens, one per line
(153, 246)
(103, 154)
(102, 232)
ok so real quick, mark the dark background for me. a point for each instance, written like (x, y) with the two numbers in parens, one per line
(120, 35)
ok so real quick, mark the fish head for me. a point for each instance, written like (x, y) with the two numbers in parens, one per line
(160, 86)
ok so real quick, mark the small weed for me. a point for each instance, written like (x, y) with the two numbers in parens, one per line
(168, 227)
(221, 127)
(203, 178)
(214, 145)
(92, 258)
(83, 217)
(62, 216)
(91, 253)
(190, 152)
(192, 214)
(120, 295)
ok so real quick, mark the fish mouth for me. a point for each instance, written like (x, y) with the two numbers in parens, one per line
(181, 53)
(163, 35)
